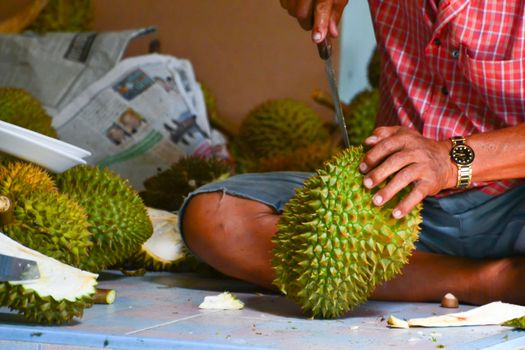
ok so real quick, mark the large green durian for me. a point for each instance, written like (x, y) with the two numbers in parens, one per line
(167, 189)
(64, 16)
(61, 293)
(278, 126)
(19, 107)
(116, 214)
(333, 246)
(40, 217)
(361, 115)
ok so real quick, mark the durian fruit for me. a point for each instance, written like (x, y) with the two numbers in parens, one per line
(60, 294)
(116, 214)
(37, 216)
(165, 247)
(19, 107)
(215, 119)
(167, 189)
(64, 16)
(307, 158)
(279, 126)
(361, 115)
(516, 323)
(374, 69)
(333, 246)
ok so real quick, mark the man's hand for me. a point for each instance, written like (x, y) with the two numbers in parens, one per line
(410, 159)
(320, 16)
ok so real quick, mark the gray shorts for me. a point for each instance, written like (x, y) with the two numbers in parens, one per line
(470, 224)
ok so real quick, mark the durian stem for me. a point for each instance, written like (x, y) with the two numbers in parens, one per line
(24, 18)
(104, 296)
(6, 210)
(323, 99)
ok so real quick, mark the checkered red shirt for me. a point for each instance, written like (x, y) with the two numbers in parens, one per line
(456, 68)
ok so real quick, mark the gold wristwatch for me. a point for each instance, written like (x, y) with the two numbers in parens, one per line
(463, 156)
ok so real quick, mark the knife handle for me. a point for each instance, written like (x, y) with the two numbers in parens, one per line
(325, 48)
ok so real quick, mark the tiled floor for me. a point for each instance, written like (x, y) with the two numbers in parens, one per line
(160, 311)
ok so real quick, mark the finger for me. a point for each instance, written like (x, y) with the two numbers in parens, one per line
(413, 198)
(337, 12)
(390, 166)
(322, 14)
(401, 180)
(382, 150)
(304, 13)
(381, 133)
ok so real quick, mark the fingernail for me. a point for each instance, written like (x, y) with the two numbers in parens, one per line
(368, 182)
(316, 36)
(396, 213)
(363, 167)
(377, 199)
(371, 139)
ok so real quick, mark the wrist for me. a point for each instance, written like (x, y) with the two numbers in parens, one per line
(451, 170)
(462, 155)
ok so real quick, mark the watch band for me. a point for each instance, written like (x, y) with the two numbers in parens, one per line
(464, 170)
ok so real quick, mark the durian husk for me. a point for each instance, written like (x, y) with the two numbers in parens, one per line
(374, 69)
(23, 18)
(60, 294)
(117, 216)
(165, 248)
(361, 115)
(333, 246)
(516, 323)
(42, 218)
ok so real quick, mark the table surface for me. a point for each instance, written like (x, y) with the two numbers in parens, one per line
(160, 311)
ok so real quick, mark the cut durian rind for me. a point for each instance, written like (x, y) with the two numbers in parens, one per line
(165, 247)
(333, 246)
(61, 293)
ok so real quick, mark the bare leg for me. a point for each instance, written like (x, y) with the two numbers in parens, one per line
(234, 236)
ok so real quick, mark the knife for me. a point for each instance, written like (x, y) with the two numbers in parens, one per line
(325, 52)
(17, 269)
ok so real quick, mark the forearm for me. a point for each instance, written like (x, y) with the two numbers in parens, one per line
(499, 154)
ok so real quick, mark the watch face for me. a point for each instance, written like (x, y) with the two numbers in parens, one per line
(462, 154)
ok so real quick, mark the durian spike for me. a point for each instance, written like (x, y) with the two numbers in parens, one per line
(23, 18)
(6, 210)
(104, 296)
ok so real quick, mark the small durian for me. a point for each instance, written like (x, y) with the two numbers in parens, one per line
(374, 69)
(64, 16)
(308, 158)
(280, 126)
(39, 217)
(165, 248)
(19, 107)
(333, 246)
(516, 323)
(117, 216)
(60, 294)
(168, 189)
(361, 115)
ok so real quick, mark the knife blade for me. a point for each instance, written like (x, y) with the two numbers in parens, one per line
(17, 269)
(325, 52)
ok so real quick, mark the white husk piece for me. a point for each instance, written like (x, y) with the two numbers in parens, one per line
(490, 314)
(165, 244)
(223, 301)
(58, 280)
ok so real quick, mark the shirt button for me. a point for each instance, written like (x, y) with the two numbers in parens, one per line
(455, 53)
(437, 42)
(444, 90)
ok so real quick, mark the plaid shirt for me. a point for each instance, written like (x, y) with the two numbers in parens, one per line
(456, 68)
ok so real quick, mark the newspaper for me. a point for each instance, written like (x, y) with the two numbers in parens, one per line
(57, 66)
(141, 117)
(136, 116)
